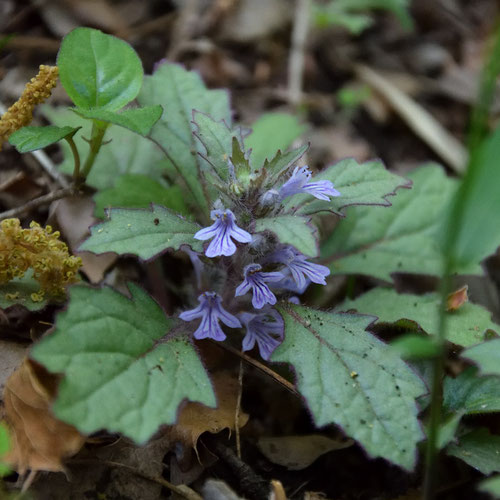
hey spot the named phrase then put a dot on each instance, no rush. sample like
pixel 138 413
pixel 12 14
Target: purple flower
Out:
pixel 300 269
pixel 256 280
pixel 210 311
pixel 222 230
pixel 266 329
pixel 299 183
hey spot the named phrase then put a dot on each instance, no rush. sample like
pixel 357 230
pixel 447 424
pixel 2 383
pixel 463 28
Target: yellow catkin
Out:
pixel 36 91
pixel 40 249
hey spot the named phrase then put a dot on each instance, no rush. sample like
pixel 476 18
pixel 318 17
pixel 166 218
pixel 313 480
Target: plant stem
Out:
pixel 97 135
pixel 76 158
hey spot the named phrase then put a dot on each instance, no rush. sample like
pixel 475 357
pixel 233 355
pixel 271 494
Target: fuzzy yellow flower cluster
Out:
pixel 36 91
pixel 41 250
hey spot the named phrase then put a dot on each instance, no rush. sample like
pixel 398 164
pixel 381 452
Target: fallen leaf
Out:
pixel 277 491
pixel 298 452
pixel 74 216
pixel 11 355
pixel 457 299
pixel 195 418
pixel 39 441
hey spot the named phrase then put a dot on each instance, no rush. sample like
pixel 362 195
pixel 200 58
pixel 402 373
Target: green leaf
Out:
pixel 270 133
pixel 465 326
pixel 126 153
pixel 479 235
pixel 486 356
pixel 179 92
pixel 32 138
pixel 138 120
pixel 471 394
pixel 281 164
pixel 359 184
pixel 479 449
pixel 4 448
pixel 403 238
pixel 350 378
pixel 144 233
pixel 18 292
pixel 415 346
pixel 139 191
pixel 448 429
pixel 98 70
pixel 491 486
pixel 215 144
pixel 117 375
pixel 291 230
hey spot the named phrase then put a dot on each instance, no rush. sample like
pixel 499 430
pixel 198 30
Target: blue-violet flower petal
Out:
pixel 210 311
pixel 222 230
pixel 299 183
pixel 256 280
pixel 266 329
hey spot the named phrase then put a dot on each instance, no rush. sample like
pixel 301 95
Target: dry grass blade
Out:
pixel 417 118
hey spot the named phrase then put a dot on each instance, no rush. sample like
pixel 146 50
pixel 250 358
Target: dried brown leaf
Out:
pixel 39 440
pixel 298 452
pixel 195 418
pixel 457 299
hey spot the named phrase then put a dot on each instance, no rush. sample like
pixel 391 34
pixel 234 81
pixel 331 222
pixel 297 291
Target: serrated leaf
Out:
pixel 98 70
pixel 214 142
pixel 270 133
pixel 18 292
pixel 359 184
pixel 448 429
pixel 479 449
pixel 179 92
pixel 138 120
pixel 139 191
pixel 32 138
pixel 491 486
pixel 403 238
pixel 126 153
pixel 291 230
pixel 466 326
pixel 144 233
pixel 471 394
pixel 486 356
pixel 115 375
pixel 281 163
pixel 350 378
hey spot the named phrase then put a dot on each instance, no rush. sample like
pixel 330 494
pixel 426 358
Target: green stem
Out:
pixel 76 158
pixel 96 138
pixel 477 132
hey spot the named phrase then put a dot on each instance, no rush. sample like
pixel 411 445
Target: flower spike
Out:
pixel 266 329
pixel 210 311
pixel 222 230
pixel 299 183
pixel 256 280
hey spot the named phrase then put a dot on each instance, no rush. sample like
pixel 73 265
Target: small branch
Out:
pixel 76 158
pixel 38 202
pixel 182 490
pixel 250 482
pixel 297 52
pixel 238 408
pixel 260 366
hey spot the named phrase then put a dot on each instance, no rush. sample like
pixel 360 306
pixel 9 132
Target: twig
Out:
pixel 263 368
pixel 37 202
pixel 45 161
pixel 296 60
pixel 182 490
pixel 238 408
pixel 418 119
pixel 250 482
